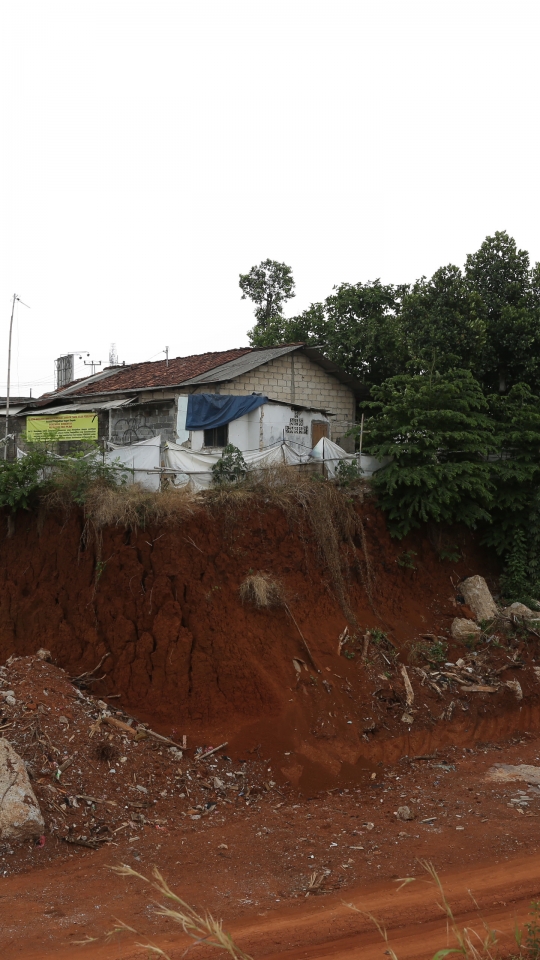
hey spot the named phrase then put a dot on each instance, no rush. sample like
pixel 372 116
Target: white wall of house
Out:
pixel 270 423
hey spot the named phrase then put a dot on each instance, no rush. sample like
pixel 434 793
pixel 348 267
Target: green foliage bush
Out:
pixel 231 467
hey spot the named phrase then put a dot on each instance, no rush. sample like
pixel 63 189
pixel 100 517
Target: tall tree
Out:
pixel 443 322
pixel 500 274
pixel 269 285
pixel 357 326
pixel 437 433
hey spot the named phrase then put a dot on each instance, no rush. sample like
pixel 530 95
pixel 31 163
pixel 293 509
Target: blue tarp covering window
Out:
pixel 206 411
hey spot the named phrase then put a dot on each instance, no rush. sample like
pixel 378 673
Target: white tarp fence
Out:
pixel 331 453
pixel 195 467
pixel 138 459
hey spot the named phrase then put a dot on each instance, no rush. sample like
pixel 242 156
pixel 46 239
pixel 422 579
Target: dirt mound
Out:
pixel 182 651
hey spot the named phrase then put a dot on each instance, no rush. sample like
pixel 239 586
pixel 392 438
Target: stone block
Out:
pixel 20 816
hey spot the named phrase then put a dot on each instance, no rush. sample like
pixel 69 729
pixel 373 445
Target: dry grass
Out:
pixel 201 929
pixel 262 590
pixel 134 507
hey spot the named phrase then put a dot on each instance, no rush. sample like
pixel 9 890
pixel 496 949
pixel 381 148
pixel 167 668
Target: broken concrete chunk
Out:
pixel 44 654
pixel 520 610
pixel 464 629
pixel 522 771
pixel 478 598
pixel 20 816
pixel 515 686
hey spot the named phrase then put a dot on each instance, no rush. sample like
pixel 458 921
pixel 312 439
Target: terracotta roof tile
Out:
pixel 154 373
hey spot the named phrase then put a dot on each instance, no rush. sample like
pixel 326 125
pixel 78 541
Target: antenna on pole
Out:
pixel 8 384
pixel 93 363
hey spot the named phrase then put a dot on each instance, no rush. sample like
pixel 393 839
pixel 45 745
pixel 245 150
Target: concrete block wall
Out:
pixel 312 387
pixel 134 423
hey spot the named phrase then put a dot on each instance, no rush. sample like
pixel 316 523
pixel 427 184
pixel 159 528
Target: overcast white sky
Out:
pixel 154 149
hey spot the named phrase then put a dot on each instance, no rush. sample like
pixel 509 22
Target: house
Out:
pixel 250 397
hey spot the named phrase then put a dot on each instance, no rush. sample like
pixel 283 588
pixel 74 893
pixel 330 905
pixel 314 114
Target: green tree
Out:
pixel 437 433
pixel 357 326
pixel 443 323
pixel 514 531
pixel 500 275
pixel 269 286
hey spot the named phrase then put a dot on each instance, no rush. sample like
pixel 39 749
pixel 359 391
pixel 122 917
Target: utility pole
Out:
pixel 14 301
pixel 166 352
pixel 93 363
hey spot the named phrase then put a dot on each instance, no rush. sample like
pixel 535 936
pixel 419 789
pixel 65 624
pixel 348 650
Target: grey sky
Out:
pixel 153 150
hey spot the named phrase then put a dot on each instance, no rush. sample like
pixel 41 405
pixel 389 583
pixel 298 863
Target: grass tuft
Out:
pixel 262 590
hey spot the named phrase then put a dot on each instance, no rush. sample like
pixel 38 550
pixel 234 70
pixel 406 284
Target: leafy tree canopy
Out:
pixel 269 286
pixel 485 319
pixel 437 432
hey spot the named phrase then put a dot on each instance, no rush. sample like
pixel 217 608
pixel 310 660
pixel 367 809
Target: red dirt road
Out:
pixel 327 928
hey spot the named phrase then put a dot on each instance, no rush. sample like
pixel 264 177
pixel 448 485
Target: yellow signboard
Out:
pixel 63 426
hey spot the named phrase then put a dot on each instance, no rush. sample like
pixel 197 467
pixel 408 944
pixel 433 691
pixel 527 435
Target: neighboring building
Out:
pixel 306 397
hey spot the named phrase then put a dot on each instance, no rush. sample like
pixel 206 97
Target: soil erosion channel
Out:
pixel 320 742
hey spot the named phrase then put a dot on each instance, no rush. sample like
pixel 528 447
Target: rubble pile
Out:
pixel 98 775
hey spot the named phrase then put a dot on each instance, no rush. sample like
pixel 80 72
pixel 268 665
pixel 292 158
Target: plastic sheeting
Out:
pixel 206 411
pixel 331 453
pixel 138 459
pixel 195 467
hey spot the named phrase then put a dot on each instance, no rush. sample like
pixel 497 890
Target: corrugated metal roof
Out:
pixel 80 407
pixel 235 368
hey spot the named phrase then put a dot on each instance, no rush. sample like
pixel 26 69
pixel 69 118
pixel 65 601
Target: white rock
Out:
pixel 520 610
pixel 20 816
pixel 462 629
pixel 478 598
pixel 44 654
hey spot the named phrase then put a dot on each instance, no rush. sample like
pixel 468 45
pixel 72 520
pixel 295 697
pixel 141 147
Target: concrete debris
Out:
pixel 404 813
pixel 523 771
pixel 478 598
pixel 464 629
pixel 515 686
pixel 20 816
pixel 520 610
pixel 44 654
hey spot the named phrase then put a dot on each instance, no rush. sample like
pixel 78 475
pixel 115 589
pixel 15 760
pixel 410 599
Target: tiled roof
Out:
pixel 155 373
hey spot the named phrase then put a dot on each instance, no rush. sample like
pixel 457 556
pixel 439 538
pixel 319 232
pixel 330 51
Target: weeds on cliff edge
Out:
pixel 468 943
pixel 203 929
pixel 262 590
pixel 321 509
pixel 135 507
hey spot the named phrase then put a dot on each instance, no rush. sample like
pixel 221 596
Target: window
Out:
pixel 218 437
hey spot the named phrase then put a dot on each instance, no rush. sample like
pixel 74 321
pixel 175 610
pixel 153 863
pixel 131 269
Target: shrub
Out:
pixel 22 480
pixel 231 467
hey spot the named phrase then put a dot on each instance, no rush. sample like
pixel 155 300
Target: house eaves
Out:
pixel 79 407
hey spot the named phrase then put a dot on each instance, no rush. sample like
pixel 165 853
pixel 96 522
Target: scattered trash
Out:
pixel 208 753
pixel 407 718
